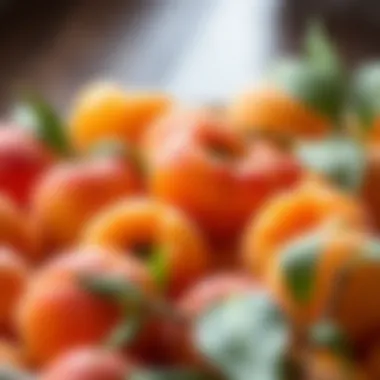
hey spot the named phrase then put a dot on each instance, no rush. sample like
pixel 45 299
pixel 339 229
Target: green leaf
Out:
pixel 126 332
pixel 341 160
pixel 245 338
pixel 365 94
pixel 299 262
pixel 114 288
pixel 34 113
pixel 320 88
pixel 131 302
pixel 319 49
pixel 158 267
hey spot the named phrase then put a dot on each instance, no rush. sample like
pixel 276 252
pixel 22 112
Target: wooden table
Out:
pixel 197 49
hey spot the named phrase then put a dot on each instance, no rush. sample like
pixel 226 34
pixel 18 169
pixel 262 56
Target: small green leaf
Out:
pixel 126 332
pixel 341 160
pixel 365 94
pixel 245 338
pixel 34 113
pixel 133 302
pixel 319 49
pixel 158 267
pixel 114 288
pixel 322 89
pixel 299 262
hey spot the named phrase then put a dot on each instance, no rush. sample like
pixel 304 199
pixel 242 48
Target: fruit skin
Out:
pixel 358 309
pixel 197 300
pixel 270 110
pixel 371 362
pixel 16 230
pixel 88 364
pixel 213 175
pixel 327 366
pixel 14 275
pixel 10 354
pixel 311 205
pixel 73 192
pixel 23 159
pixel 104 111
pixel 56 303
pixel 371 186
pixel 130 224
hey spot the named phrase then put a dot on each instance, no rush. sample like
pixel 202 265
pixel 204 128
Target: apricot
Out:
pixel 16 230
pixel 104 111
pixel 23 159
pixel 88 364
pixel 13 281
pixel 311 205
pixel 196 301
pixel 207 170
pixel 301 99
pixel 272 111
pixel 73 192
pixel 57 314
pixel 158 235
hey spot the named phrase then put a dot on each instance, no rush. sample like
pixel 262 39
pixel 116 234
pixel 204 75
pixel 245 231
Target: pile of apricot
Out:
pixel 112 246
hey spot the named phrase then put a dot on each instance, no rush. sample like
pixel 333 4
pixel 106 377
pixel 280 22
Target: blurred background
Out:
pixel 199 50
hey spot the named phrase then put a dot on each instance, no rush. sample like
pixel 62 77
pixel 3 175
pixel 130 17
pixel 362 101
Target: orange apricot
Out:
pixel 104 111
pixel 207 170
pixel 57 313
pixel 13 281
pixel 71 193
pixel 294 213
pixel 88 364
pixel 16 230
pixel 23 159
pixel 271 110
pixel 158 235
